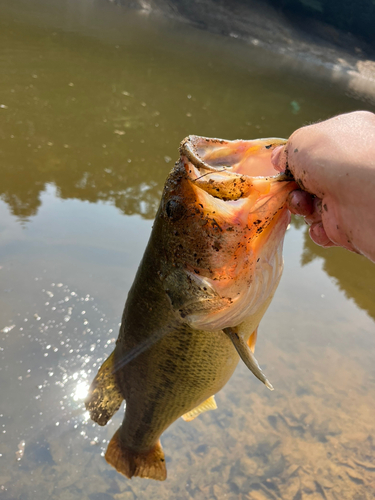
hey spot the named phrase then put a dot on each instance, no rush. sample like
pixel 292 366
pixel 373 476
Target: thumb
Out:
pixel 279 158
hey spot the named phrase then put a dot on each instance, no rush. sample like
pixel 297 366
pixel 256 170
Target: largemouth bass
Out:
pixel 208 274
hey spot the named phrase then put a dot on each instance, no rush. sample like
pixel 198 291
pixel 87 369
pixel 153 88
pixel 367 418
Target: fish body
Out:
pixel 208 274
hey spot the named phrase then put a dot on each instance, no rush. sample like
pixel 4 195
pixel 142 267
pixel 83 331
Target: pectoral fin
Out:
pixel 252 340
pixel 209 404
pixel 104 397
pixel 247 356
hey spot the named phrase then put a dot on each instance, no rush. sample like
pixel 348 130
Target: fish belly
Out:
pixel 182 370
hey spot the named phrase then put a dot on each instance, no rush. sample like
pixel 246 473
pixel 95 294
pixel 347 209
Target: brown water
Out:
pixel 94 101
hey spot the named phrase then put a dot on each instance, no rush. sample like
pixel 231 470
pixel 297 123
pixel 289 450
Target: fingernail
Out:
pixel 318 234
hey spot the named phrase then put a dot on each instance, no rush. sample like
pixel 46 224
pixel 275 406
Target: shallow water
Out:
pixel 94 101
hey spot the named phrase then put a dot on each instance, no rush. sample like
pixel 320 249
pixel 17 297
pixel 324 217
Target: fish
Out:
pixel 208 274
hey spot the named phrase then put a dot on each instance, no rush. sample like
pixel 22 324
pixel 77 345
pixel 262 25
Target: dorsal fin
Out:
pixel 104 397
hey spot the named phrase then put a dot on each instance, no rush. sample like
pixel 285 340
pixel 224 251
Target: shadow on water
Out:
pixel 354 275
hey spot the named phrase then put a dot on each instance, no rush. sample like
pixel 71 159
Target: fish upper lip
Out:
pixel 188 148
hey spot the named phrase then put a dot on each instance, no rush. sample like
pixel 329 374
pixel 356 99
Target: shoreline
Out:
pixel 318 48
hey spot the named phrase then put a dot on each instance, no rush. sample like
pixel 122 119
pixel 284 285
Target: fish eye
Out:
pixel 174 209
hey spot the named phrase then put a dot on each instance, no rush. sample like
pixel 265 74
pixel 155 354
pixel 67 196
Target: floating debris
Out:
pixel 21 450
pixel 7 329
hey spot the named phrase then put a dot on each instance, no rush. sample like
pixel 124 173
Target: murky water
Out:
pixel 94 101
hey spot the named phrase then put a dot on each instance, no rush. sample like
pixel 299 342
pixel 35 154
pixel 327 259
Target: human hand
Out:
pixel 334 164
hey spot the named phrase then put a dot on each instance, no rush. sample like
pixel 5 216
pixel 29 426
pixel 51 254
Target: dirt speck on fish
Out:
pixel 208 274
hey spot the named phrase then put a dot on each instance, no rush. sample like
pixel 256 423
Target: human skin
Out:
pixel 334 164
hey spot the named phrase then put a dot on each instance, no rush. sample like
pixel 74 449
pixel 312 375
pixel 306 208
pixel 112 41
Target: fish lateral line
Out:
pixel 139 349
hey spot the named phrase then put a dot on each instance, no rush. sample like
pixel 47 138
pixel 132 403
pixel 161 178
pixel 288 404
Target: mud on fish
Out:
pixel 208 274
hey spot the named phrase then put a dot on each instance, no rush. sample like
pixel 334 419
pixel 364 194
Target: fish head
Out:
pixel 224 219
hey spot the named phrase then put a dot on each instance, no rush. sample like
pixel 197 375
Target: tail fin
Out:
pixel 104 397
pixel 149 464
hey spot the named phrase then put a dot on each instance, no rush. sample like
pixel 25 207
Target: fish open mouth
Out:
pixel 233 170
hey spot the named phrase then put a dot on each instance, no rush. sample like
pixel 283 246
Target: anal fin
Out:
pixel 104 397
pixel 252 340
pixel 209 404
pixel 149 464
